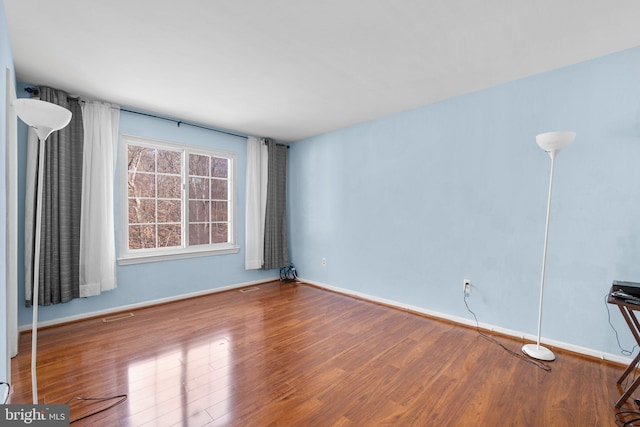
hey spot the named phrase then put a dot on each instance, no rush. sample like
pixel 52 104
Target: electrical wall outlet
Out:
pixel 324 262
pixel 466 286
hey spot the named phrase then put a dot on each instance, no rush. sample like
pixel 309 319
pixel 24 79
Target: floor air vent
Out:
pixel 244 291
pixel 117 317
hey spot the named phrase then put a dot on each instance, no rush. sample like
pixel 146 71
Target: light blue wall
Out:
pixel 7 63
pixel 152 281
pixel 406 207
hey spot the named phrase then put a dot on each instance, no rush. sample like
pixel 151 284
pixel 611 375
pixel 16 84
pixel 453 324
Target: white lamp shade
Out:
pixel 552 142
pixel 43 116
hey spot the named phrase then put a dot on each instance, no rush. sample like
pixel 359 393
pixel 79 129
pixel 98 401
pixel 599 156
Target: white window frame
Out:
pixel 138 256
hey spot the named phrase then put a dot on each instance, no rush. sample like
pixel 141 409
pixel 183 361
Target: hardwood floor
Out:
pixel 296 355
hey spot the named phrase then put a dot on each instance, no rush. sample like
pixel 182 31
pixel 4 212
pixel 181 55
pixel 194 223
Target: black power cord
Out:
pixel 540 365
pixel 623 351
pixel 620 415
pixel 121 398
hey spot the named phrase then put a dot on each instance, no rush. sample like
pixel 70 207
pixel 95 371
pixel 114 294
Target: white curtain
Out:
pixel 97 234
pixel 256 202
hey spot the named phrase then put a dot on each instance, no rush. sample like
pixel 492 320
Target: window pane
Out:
pixel 142 211
pixel 169 161
pixel 169 235
pixel 142 236
pixel 198 165
pixel 141 159
pixel 169 211
pixel 219 167
pixel 142 185
pixel 219 211
pixel 198 234
pixel 219 189
pixel 169 186
pixel 156 193
pixel 219 233
pixel 198 188
pixel 198 211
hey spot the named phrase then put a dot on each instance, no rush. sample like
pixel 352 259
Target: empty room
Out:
pixel 319 213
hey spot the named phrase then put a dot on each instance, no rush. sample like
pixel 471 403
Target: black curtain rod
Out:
pixel 34 91
pixel 180 122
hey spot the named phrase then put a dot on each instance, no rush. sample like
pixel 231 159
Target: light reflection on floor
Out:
pixel 189 386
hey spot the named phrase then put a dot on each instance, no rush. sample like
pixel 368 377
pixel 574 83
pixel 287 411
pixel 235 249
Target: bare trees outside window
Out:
pixel 177 197
pixel 155 197
pixel 208 199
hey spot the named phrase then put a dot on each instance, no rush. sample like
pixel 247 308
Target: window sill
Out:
pixel 130 259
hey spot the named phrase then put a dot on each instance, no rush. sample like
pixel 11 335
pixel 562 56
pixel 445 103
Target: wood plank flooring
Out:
pixel 296 355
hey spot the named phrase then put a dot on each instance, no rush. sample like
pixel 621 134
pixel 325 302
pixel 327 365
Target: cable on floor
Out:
pixel 540 365
pixel 620 415
pixel 623 351
pixel 121 397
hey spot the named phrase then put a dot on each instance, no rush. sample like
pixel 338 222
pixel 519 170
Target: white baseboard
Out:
pixel 469 322
pixel 143 304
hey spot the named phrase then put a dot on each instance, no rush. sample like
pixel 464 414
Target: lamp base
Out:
pixel 538 352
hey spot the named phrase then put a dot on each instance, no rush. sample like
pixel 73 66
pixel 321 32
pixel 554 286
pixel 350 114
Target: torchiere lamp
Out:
pixel 551 142
pixel 44 118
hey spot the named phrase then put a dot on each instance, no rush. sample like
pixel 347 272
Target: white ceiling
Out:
pixel 290 69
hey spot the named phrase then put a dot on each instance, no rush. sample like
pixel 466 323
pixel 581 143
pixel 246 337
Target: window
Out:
pixel 177 201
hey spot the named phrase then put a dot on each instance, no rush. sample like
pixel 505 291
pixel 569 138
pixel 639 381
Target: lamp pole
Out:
pixel 36 271
pixel 551 142
pixel 544 252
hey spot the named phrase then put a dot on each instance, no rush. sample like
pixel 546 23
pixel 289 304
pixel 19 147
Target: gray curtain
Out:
pixel 276 251
pixel 60 235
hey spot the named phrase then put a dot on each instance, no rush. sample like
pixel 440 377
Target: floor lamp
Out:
pixel 44 118
pixel 551 142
